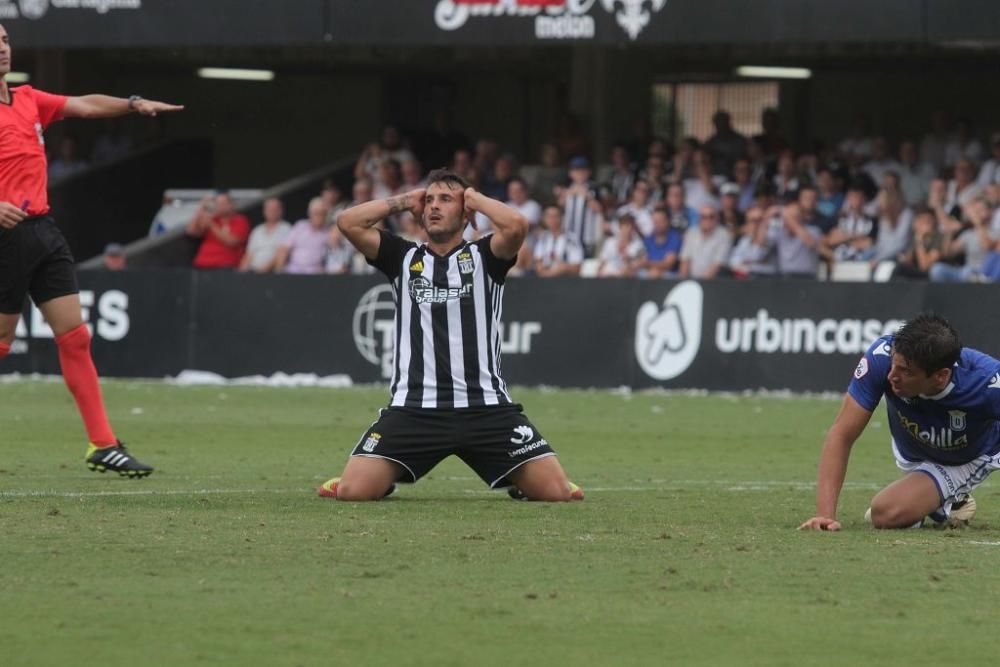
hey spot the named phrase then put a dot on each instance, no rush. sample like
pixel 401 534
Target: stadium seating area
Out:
pixel 732 207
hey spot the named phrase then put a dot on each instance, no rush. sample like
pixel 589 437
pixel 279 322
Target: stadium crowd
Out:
pixel 732 206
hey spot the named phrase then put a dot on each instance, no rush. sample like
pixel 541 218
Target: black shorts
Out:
pixel 493 441
pixel 34 259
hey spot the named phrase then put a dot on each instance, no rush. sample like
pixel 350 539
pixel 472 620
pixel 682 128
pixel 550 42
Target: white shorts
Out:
pixel 953 482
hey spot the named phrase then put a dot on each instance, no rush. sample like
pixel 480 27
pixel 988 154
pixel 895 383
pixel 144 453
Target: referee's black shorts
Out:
pixel 493 441
pixel 35 260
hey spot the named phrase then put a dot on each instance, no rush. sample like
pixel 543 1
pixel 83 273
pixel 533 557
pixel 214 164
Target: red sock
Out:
pixel 4 350
pixel 81 378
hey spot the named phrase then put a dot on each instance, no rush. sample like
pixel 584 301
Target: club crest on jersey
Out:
pixel 957 420
pixel 465 263
pixel 424 291
pixel 862 369
pixel 372 442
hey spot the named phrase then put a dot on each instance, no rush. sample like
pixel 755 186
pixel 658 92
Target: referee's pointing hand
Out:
pixel 10 215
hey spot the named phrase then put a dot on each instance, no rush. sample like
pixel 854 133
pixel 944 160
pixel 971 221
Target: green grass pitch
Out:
pixel 684 553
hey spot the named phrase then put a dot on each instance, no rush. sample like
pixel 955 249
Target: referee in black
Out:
pixel 448 396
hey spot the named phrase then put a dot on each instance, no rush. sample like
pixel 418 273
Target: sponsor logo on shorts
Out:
pixel 372 442
pixel 522 434
pixel 862 369
pixel 945 476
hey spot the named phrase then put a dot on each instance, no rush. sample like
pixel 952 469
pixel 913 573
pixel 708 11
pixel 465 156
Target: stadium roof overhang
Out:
pixel 492 23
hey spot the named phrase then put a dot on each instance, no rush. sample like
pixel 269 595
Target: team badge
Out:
pixel 372 442
pixel 957 420
pixel 862 369
pixel 465 263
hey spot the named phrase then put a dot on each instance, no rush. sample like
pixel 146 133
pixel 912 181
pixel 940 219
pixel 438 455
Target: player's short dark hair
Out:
pixel 447 177
pixel 929 341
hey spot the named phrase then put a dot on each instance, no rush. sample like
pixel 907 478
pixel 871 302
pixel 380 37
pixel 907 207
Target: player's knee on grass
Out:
pixel 550 492
pixel 889 514
pixel 360 490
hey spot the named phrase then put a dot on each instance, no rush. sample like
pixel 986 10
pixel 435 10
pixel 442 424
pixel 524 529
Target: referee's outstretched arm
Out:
pixel 103 106
pixel 357 223
pixel 511 227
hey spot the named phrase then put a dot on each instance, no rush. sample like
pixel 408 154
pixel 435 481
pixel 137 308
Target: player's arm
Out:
pixel 847 428
pixel 104 106
pixel 358 222
pixel 510 227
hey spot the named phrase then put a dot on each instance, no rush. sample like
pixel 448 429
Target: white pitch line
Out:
pixel 656 485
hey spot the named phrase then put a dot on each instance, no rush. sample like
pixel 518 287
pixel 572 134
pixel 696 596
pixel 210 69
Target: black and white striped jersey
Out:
pixel 448 310
pixel 581 221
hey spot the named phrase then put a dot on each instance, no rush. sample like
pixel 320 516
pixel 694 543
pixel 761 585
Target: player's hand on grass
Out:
pixel 820 523
pixel 152 107
pixel 10 215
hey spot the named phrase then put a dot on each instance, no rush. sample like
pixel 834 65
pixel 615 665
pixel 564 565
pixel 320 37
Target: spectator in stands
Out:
pixel 730 215
pixel 362 191
pixel 809 206
pixel 339 252
pixel 830 199
pixel 962 189
pixel 663 246
pixel 391 147
pixel 495 187
pixel 67 161
pixel 856 148
pixel 334 198
pixel 770 141
pixel 621 255
pixel 744 260
pixel 706 247
pixel 518 199
pixel 792 245
pixel 703 189
pixel 963 145
pixel 621 176
pixel 937 193
pixel 895 220
pixel 304 251
pixel 114 257
pixel 413 176
pixel 583 213
pixel 639 208
pixel 549 175
pixel 557 253
pixel 682 165
pixel 681 216
pixel 727 145
pixel 973 241
pixel 989 173
pixel 742 176
pixel 786 180
pixel 223 231
pixel 881 160
pixel 924 249
pixel 655 175
pixel 390 180
pixel 462 165
pixel 265 240
pixel 853 237
pixel 935 143
pixel 914 176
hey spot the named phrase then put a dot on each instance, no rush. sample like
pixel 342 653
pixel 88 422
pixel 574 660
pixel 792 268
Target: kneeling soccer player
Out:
pixel 943 403
pixel 447 393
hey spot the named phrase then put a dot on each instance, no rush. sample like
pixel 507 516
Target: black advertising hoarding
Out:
pixel 720 335
pixel 249 23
